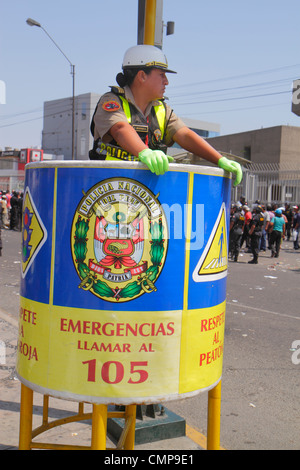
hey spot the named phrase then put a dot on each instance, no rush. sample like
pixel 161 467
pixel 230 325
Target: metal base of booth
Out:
pixel 153 423
pixel 99 417
pixel 127 435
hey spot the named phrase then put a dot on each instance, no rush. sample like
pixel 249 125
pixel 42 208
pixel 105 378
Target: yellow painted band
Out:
pixel 53 239
pixel 188 240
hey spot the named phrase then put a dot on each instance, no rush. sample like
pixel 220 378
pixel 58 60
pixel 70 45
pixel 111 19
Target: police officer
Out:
pixel 236 231
pixel 14 211
pixel 288 212
pixel 255 232
pixel 133 122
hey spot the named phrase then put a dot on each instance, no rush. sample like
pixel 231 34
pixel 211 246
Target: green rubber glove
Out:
pixel 156 160
pixel 232 167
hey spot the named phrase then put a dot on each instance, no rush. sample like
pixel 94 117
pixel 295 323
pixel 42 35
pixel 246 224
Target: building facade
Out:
pixel 279 144
pixel 57 126
pixel 12 166
pixel 272 173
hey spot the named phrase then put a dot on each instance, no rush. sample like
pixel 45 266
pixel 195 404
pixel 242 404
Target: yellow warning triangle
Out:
pixel 213 263
pixel 34 233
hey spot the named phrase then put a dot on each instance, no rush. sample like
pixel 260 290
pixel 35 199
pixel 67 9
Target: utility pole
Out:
pixel 150 23
pixel 32 22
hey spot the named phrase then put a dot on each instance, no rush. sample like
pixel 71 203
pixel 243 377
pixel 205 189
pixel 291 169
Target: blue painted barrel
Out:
pixel 123 281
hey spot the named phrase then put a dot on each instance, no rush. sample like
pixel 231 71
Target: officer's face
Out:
pixel 156 83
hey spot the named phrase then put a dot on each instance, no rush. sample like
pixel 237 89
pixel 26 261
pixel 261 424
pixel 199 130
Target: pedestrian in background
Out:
pixel 236 231
pixel 245 236
pixel 263 240
pixel 19 212
pixel 277 227
pixel 14 212
pixel 255 232
pixel 8 198
pixel 288 212
pixel 271 213
pixel 5 220
pixel 296 227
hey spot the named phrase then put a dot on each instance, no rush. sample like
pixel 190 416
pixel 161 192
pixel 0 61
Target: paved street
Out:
pixel 261 384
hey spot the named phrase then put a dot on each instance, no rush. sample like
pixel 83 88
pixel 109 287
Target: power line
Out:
pixel 21 122
pixel 234 98
pixel 249 74
pixel 270 84
pixel 37 118
pixel 9 116
pixel 234 109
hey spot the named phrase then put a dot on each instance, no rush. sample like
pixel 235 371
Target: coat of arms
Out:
pixel 119 240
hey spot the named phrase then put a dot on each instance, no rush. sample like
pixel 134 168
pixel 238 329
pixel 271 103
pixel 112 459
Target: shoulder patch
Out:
pixel 111 105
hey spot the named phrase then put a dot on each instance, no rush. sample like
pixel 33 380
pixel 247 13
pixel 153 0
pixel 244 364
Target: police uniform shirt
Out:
pixel 238 221
pixel 109 112
pixel 257 221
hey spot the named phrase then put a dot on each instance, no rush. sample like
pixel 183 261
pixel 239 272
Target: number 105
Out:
pixel 112 372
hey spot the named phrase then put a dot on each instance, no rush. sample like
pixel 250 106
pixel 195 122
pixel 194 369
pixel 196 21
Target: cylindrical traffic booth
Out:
pixel 123 281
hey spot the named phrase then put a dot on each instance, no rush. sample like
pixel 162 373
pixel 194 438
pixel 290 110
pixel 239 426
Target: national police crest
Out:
pixel 119 240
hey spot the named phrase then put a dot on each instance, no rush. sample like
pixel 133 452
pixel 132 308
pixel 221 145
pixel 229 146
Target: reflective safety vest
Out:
pixel 151 130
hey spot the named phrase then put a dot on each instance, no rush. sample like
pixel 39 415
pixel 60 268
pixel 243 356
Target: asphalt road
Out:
pixel 260 384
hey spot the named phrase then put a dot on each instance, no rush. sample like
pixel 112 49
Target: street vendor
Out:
pixel 132 122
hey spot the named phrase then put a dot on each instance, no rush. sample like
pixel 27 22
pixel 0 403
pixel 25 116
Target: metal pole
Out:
pixel 73 111
pixel 99 427
pixel 32 22
pixel 150 18
pixel 130 414
pixel 214 418
pixel 25 418
pixel 73 91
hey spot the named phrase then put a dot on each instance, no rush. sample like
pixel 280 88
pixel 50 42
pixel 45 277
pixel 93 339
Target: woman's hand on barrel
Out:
pixel 156 160
pixel 232 167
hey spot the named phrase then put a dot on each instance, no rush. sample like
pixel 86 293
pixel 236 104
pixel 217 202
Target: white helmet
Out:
pixel 145 56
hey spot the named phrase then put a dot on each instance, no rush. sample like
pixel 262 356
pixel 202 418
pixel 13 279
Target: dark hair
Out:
pixel 128 75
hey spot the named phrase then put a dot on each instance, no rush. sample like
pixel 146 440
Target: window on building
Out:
pixel 82 143
pixel 247 152
pixel 83 111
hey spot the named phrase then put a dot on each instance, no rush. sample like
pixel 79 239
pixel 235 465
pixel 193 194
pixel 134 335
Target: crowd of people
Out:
pixel 262 228
pixel 10 212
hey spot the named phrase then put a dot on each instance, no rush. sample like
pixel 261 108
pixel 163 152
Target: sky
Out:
pixel 235 60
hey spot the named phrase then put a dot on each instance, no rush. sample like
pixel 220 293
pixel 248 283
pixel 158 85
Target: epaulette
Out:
pixel 117 90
